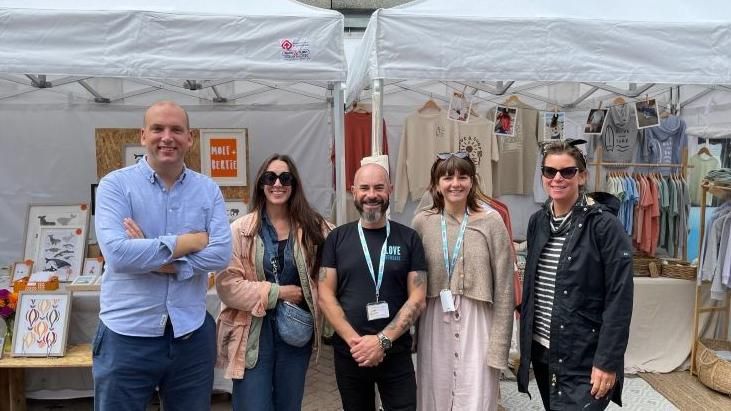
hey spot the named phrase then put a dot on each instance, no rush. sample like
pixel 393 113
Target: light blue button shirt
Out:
pixel 135 299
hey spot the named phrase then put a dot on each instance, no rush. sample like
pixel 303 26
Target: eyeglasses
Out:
pixel 458 154
pixel 568 173
pixel 270 177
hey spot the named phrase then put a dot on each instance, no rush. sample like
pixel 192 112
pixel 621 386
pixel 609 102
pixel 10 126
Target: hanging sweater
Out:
pixel 620 137
pixel 663 144
pixel 513 174
pixel 478 139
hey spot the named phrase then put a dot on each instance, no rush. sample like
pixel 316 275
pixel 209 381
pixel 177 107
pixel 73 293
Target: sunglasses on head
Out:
pixel 270 177
pixel 568 173
pixel 458 154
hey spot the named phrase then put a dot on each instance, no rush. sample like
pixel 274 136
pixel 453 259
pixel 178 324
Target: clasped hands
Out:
pixel 366 350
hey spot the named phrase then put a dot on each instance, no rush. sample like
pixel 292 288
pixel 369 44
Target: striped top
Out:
pixel 546 280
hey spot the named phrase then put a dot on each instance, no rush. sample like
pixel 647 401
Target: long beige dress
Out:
pixel 452 370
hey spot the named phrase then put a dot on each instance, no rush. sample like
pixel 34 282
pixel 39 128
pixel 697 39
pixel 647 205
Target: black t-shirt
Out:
pixel 355 288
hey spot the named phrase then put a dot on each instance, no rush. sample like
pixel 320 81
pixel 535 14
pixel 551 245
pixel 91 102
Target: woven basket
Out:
pixel 679 269
pixel 641 265
pixel 714 372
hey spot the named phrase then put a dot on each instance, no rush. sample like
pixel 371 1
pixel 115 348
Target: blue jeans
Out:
pixel 277 381
pixel 127 369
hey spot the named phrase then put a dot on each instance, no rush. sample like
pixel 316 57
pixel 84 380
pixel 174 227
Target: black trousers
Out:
pixel 539 359
pixel 394 376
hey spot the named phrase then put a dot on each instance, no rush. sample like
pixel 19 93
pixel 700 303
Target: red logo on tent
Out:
pixel 286 44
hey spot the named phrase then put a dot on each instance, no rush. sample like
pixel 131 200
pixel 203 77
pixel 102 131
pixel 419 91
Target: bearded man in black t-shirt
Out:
pixel 372 291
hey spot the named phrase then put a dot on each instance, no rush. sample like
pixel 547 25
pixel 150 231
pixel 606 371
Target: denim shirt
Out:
pixel 288 273
pixel 135 299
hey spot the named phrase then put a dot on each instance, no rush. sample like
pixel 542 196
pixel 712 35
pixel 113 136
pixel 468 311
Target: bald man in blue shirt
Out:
pixel 161 228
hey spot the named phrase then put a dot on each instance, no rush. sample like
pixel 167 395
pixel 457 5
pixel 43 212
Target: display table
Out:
pixel 661 330
pixel 12 373
pixel 78 382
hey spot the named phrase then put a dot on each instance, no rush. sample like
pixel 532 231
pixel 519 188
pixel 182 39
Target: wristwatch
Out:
pixel 385 341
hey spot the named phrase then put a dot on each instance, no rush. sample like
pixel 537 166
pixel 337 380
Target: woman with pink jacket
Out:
pixel 276 259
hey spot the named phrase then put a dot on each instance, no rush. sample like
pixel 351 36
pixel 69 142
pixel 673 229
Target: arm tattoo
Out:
pixel 323 275
pixel 404 318
pixel 419 279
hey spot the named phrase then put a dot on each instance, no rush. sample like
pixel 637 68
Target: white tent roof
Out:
pixel 189 39
pixel 668 41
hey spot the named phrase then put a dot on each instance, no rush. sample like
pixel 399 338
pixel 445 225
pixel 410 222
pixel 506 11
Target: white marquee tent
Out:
pixel 68 67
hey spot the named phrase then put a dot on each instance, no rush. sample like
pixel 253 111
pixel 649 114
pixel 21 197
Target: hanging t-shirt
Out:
pixel 478 139
pixel 513 174
pixel 424 135
pixel 701 165
pixel 663 144
pixel 358 128
pixel 620 137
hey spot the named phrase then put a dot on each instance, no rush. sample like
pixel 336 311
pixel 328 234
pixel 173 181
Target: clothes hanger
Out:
pixel 618 101
pixel 430 105
pixel 359 108
pixel 513 100
pixel 704 150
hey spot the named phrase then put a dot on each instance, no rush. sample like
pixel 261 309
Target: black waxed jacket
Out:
pixel 592 305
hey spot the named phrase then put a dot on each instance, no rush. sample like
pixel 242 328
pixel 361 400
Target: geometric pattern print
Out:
pixel 40 323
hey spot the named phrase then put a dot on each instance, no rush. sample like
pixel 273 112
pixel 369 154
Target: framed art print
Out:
pixel 132 153
pixel 553 125
pixel 505 118
pixel 224 155
pixel 55 238
pixel 93 266
pixel 21 269
pixel 646 113
pixel 595 121
pixel 41 324
pixel 235 209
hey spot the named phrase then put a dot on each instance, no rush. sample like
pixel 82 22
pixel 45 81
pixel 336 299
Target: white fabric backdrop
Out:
pixel 47 154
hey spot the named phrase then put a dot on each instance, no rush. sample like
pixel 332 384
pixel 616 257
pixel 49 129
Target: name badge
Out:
pixel 377 311
pixel 447 301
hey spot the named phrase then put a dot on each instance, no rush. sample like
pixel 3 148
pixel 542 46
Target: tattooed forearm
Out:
pixel 404 318
pixel 419 279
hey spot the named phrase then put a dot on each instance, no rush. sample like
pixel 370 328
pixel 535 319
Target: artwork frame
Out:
pixel 55 238
pixel 646 113
pixel 225 155
pixel 42 324
pixel 20 269
pixel 92 266
pixel 132 154
pixel 505 119
pixel 235 210
pixel 460 108
pixel 595 121
pixel 553 125
pixel 93 198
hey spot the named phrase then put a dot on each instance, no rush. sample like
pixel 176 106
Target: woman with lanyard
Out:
pixel 464 334
pixel 577 289
pixel 276 259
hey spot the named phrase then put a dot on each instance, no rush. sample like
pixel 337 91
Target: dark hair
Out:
pixel 449 167
pixel 565 147
pixel 301 214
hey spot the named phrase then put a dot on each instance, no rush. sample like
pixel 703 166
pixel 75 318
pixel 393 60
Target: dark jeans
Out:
pixel 277 381
pixel 394 376
pixel 127 369
pixel 539 359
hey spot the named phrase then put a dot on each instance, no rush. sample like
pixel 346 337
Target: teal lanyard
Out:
pixel 457 246
pixel 381 261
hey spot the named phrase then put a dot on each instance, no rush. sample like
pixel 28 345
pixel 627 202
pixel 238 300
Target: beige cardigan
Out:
pixel 484 270
pixel 246 295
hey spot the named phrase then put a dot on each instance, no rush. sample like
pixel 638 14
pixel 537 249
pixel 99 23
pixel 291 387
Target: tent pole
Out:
pixel 377 117
pixel 339 131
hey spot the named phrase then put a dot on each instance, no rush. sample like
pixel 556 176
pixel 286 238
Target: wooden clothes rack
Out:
pixel 683 165
pixel 725 309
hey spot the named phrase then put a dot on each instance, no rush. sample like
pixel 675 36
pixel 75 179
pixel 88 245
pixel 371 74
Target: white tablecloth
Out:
pixel 77 382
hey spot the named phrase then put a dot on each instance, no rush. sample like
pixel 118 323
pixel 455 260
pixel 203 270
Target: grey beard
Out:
pixel 371 216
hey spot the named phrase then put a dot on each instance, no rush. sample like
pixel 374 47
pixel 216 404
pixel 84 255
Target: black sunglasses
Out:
pixel 458 154
pixel 270 177
pixel 568 173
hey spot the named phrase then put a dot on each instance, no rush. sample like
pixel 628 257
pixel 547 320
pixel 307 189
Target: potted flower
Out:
pixel 8 302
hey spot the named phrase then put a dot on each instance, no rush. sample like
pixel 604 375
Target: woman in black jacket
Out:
pixel 577 290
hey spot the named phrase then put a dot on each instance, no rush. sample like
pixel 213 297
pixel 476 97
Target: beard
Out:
pixel 371 216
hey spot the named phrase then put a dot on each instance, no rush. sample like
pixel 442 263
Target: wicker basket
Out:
pixel 713 371
pixel 679 269
pixel 641 265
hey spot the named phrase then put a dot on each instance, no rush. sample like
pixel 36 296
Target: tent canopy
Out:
pixel 252 39
pixel 669 41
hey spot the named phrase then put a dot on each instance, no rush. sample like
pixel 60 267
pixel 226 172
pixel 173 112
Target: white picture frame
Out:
pixel 595 121
pixel 55 238
pixel 505 126
pixel 225 155
pixel 20 270
pixel 132 154
pixel 92 266
pixel 553 125
pixel 646 113
pixel 235 210
pixel 41 324
pixel 460 108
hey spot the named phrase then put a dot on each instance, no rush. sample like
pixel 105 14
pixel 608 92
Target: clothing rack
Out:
pixel 698 309
pixel 598 164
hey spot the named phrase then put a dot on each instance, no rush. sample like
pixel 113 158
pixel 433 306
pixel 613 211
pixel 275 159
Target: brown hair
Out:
pixel 449 167
pixel 565 147
pixel 301 214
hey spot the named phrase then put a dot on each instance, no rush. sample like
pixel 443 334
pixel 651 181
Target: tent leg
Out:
pixel 339 129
